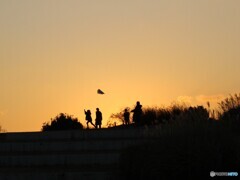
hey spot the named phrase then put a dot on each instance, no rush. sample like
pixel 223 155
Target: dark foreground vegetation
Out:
pixel 189 144
pixel 62 122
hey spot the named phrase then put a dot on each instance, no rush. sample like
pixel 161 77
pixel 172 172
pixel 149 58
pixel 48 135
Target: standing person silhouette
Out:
pixel 88 117
pixel 137 113
pixel 98 121
pixel 126 116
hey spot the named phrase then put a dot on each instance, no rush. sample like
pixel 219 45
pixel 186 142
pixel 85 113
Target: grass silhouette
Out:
pixel 189 143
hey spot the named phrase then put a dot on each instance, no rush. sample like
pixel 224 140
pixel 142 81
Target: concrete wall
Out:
pixel 65 155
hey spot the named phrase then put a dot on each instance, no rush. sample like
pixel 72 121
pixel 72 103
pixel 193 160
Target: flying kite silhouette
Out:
pixel 99 91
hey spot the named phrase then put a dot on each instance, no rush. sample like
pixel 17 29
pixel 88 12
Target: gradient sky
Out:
pixel 55 54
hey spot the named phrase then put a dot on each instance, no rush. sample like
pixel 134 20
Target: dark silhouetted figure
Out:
pixel 88 117
pixel 137 113
pixel 98 121
pixel 126 116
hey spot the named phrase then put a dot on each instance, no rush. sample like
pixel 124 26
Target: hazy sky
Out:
pixel 55 54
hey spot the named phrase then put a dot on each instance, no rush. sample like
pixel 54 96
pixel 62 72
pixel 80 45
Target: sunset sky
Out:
pixel 55 54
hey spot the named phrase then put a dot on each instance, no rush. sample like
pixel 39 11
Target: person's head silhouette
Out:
pixel 138 103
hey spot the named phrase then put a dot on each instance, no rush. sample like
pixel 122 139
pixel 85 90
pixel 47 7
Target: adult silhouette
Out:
pixel 98 120
pixel 88 117
pixel 137 113
pixel 126 116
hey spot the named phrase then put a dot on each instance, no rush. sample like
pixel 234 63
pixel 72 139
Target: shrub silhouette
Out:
pixel 62 122
pixel 177 113
pixel 193 115
pixel 116 119
pixel 149 116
